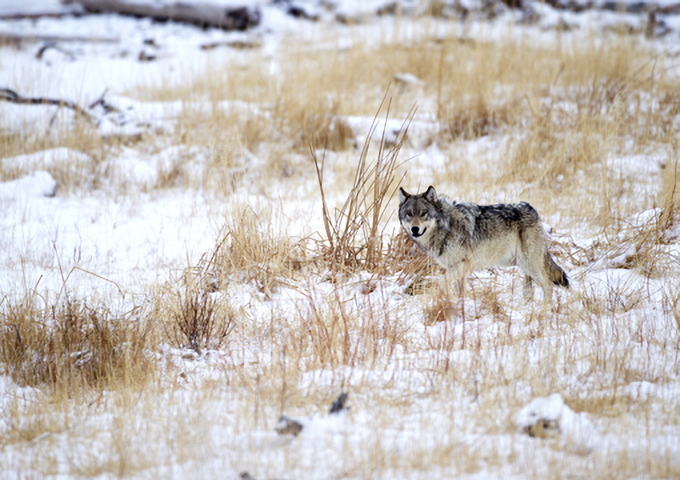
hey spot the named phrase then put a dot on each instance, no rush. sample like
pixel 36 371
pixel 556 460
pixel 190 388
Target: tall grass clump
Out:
pixel 354 233
pixel 250 250
pixel 670 193
pixel 74 346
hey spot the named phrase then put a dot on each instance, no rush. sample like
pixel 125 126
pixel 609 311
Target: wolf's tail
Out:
pixel 555 272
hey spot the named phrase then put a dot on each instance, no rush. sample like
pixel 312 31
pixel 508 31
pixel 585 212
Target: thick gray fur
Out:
pixel 464 237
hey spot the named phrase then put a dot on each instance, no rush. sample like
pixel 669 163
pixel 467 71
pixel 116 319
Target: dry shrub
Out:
pixel 174 174
pixel 662 122
pixel 329 328
pixel 616 301
pixel 672 305
pixel 479 88
pixel 647 252
pixel 198 324
pixel 235 128
pixel 608 404
pixel 247 79
pixel 487 302
pixel 614 61
pixel 647 258
pixel 73 345
pixel 444 303
pixel 74 172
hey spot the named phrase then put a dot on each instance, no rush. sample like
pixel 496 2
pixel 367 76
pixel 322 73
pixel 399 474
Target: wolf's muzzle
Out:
pixel 417 232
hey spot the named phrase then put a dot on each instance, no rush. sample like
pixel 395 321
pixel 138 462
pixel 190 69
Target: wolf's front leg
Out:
pixel 450 281
pixel 456 279
pixel 457 275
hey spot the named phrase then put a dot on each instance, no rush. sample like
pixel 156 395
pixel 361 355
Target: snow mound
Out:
pixel 37 184
pixel 549 417
pixel 10 391
pixel 44 159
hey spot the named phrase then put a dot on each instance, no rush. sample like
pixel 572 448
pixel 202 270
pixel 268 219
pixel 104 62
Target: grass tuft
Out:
pixel 198 324
pixel 74 346
pixel 354 235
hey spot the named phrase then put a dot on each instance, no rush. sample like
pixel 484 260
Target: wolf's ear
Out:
pixel 431 194
pixel 402 195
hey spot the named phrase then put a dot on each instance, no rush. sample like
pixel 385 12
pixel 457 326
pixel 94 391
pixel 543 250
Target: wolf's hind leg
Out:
pixel 536 275
pixel 528 288
pixel 547 293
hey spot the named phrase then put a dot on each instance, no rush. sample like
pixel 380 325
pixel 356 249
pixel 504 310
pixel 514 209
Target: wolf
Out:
pixel 465 237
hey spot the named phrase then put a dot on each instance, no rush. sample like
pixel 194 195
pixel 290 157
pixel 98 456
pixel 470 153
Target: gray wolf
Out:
pixel 464 237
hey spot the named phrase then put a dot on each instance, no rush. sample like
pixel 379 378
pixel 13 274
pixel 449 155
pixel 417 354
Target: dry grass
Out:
pixel 354 235
pixel 198 325
pixel 72 346
pixel 73 174
pixel 250 251
pixel 670 193
pixel 281 320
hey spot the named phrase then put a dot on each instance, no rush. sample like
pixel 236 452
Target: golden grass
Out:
pixel 72 346
pixel 277 308
pixel 354 235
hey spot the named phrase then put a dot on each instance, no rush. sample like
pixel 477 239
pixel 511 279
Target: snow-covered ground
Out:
pixel 505 390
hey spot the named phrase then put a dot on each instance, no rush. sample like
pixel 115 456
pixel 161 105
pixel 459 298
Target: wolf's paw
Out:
pixel 419 286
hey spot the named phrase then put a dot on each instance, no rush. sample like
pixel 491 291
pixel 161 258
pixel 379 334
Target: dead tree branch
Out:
pixel 202 14
pixel 10 95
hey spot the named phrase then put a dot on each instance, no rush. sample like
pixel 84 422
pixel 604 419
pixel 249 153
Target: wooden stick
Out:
pixel 10 95
pixel 203 14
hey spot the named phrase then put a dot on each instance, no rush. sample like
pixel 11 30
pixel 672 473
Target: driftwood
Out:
pixel 202 14
pixel 10 95
pixel 237 44
pixel 18 38
pixel 641 6
pixel 36 16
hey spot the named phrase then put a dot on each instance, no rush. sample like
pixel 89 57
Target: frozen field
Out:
pixel 203 237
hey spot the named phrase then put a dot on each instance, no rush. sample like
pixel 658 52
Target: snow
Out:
pixel 37 184
pixel 44 159
pixel 116 241
pixel 13 7
pixel 552 414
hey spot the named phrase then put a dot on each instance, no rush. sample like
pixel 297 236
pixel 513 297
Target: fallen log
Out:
pixel 37 16
pixel 201 14
pixel 10 95
pixel 20 38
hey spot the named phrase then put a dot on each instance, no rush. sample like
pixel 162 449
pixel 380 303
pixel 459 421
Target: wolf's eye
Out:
pixel 409 214
pixel 423 214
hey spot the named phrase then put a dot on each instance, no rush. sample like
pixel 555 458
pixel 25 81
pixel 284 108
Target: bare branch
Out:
pixel 204 14
pixel 10 95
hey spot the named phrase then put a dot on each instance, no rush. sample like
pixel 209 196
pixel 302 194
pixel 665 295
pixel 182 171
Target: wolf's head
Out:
pixel 418 213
